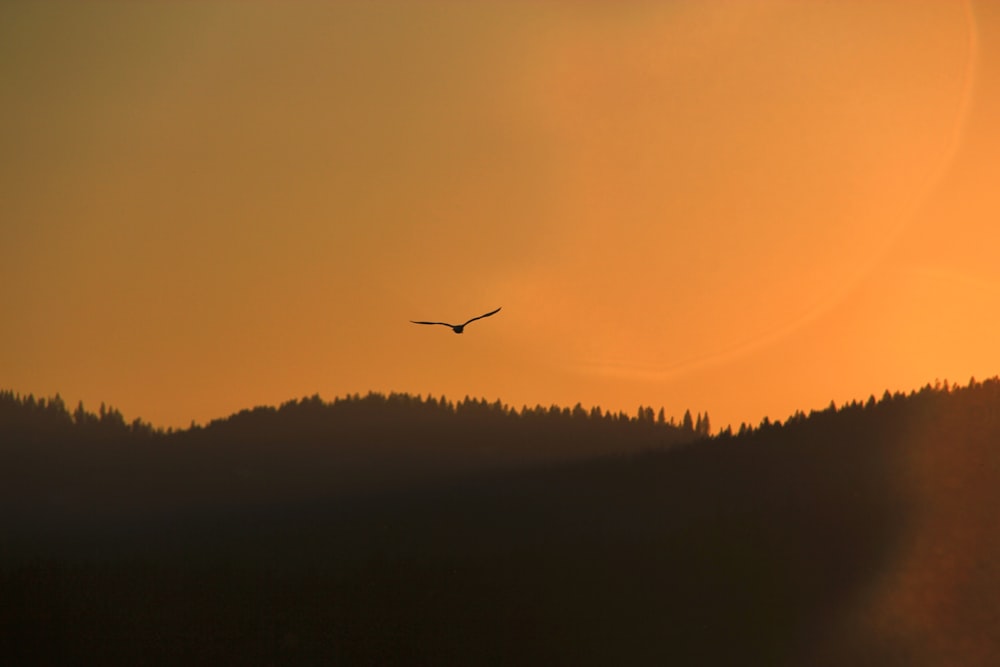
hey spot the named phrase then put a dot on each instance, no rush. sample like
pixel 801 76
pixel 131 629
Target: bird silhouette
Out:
pixel 459 328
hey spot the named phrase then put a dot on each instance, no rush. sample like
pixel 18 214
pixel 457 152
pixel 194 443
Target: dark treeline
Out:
pixel 27 418
pixel 400 530
pixel 304 448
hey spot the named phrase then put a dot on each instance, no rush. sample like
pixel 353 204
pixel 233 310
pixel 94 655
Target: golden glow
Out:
pixel 744 208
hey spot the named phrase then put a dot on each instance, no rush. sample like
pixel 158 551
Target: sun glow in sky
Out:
pixel 739 208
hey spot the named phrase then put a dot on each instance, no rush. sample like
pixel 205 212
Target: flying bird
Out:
pixel 459 328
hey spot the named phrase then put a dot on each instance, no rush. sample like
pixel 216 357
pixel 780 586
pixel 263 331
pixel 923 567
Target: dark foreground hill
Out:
pixel 390 531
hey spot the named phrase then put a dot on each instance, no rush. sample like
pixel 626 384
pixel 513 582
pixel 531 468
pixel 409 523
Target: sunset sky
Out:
pixel 745 208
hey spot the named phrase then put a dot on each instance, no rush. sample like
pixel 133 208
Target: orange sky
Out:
pixel 744 208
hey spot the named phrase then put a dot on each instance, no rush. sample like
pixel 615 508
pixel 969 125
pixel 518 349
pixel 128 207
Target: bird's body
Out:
pixel 459 328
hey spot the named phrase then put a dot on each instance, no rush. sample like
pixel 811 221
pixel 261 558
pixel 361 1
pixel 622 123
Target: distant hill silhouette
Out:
pixel 406 530
pixel 305 448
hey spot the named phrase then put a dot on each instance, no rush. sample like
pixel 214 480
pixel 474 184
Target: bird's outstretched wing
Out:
pixel 441 323
pixel 492 312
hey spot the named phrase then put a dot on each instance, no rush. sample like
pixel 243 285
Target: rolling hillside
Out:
pixel 399 530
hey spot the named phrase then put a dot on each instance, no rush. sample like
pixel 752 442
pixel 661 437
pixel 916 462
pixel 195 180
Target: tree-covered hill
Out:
pixel 305 448
pixel 398 530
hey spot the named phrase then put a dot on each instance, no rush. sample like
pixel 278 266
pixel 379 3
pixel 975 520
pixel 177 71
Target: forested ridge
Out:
pixel 306 447
pixel 392 529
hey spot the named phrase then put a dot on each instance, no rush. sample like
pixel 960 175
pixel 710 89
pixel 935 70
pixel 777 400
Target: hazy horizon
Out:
pixel 675 417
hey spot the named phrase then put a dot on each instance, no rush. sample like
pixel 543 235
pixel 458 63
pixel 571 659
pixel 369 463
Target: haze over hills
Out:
pixel 407 530
pixel 311 448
